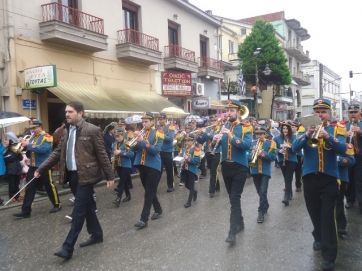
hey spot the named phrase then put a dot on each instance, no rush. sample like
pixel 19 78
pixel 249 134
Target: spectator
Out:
pixel 109 140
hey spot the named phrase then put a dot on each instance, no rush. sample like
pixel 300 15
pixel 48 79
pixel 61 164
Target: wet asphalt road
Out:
pixel 182 239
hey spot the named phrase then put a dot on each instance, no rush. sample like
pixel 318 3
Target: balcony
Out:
pixel 284 96
pixel 178 58
pixel 296 50
pixel 300 78
pixel 210 68
pixel 233 57
pixel 138 47
pixel 70 27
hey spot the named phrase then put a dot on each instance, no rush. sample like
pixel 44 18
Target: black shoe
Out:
pixel 212 195
pixel 127 198
pixel 56 209
pixel 92 240
pixel 117 202
pixel 64 254
pixel 286 201
pixel 195 196
pixel 328 266
pixel 140 224
pixel 260 217
pixel 156 216
pixel 349 205
pixel 181 184
pixel 342 232
pixel 187 204
pixel 170 189
pixel 22 215
pixel 317 246
pixel 231 239
pixel 116 189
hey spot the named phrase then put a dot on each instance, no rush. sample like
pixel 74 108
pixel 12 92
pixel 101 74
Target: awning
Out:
pixel 105 102
pixel 217 104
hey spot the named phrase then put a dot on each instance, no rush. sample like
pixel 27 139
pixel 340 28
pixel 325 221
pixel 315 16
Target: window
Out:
pixel 172 33
pixel 130 18
pixel 203 46
pixel 231 47
pixel 243 31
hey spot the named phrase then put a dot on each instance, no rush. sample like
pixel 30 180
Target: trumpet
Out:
pixel 255 154
pixel 133 142
pixel 218 141
pixel 18 148
pixel 313 141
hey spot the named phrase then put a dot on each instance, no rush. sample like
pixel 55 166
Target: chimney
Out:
pixel 209 12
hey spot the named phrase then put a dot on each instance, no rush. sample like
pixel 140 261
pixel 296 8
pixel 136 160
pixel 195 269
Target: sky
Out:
pixel 334 26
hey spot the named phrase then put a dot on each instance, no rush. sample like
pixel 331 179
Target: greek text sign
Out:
pixel 201 103
pixel 29 105
pixel 41 77
pixel 176 84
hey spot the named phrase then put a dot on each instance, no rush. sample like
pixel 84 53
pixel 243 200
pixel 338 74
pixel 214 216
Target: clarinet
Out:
pixel 218 141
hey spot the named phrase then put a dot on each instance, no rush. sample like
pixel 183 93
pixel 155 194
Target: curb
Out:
pixel 61 192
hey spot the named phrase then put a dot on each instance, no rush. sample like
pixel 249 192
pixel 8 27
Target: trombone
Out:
pixel 255 154
pixel 133 142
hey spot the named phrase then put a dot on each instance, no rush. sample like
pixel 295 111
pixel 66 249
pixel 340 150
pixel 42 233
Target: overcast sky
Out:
pixel 334 26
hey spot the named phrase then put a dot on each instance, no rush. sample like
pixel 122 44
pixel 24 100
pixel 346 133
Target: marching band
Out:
pixel 325 157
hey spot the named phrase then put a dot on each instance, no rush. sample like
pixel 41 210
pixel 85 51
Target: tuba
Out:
pixel 244 112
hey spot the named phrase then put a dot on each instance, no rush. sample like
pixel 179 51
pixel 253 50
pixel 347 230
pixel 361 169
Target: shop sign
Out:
pixel 40 77
pixel 176 84
pixel 29 104
pixel 201 103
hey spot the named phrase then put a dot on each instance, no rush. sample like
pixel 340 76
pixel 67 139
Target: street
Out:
pixel 182 239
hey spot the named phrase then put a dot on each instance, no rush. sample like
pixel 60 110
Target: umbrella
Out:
pixel 193 117
pixel 11 118
pixel 133 119
pixel 174 112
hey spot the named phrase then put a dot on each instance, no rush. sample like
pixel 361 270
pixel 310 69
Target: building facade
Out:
pixel 112 56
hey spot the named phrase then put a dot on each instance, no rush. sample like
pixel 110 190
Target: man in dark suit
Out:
pixel 82 154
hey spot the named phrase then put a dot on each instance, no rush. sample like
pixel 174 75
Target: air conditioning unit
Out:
pixel 198 89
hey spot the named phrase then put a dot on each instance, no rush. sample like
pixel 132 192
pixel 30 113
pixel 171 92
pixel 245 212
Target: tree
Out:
pixel 263 36
pixel 228 88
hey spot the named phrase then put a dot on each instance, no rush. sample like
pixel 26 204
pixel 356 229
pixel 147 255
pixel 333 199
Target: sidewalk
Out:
pixel 40 195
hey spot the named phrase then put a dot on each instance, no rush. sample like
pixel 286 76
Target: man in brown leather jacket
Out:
pixel 82 154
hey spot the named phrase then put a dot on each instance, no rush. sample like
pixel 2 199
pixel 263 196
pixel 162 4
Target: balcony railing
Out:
pixel 284 93
pixel 65 14
pixel 133 36
pixel 205 61
pixel 176 51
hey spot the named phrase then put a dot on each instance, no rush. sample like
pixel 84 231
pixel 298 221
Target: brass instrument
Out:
pixel 182 163
pixel 18 148
pixel 284 150
pixel 200 130
pixel 218 141
pixel 255 153
pixel 133 142
pixel 244 112
pixel 313 141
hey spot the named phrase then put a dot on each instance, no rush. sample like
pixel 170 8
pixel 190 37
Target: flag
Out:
pixel 241 82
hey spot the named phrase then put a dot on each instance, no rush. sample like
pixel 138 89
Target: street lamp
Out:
pixel 267 71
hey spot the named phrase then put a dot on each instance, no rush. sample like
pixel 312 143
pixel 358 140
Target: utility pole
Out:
pixel 257 89
pixel 320 80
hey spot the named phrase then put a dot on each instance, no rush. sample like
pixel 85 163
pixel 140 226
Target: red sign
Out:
pixel 176 84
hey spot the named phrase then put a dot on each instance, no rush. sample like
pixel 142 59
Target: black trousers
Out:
pixel 340 215
pixel 30 190
pixel 189 179
pixel 261 183
pixel 298 172
pixel 14 181
pixel 213 162
pixel 234 175
pixel 150 178
pixel 124 173
pixel 84 210
pixel 175 170
pixel 355 182
pixel 202 166
pixel 167 161
pixel 320 194
pixel 288 171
